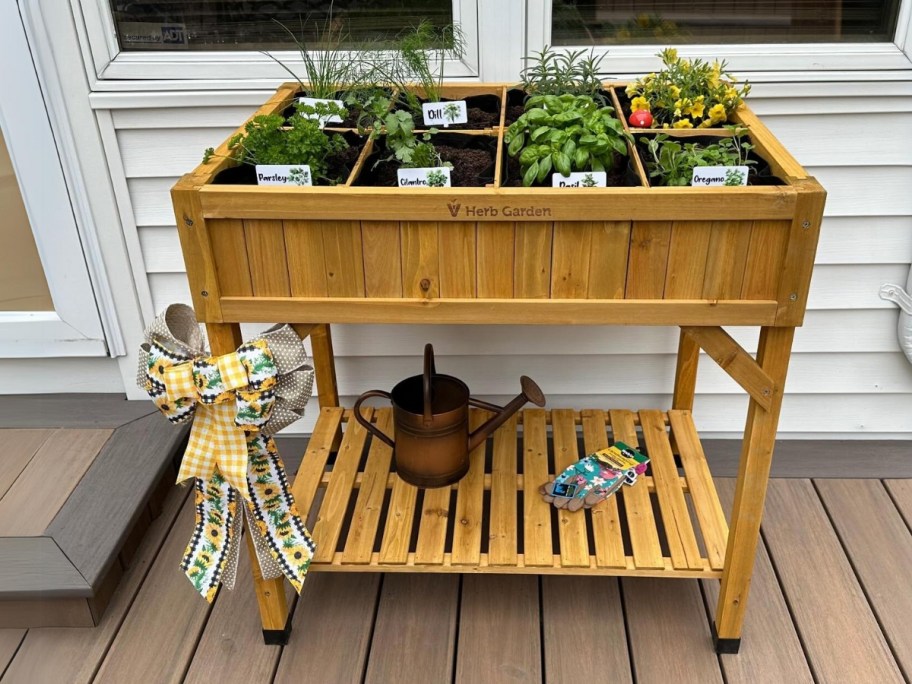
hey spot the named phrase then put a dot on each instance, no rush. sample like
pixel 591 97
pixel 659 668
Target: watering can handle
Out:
pixel 430 370
pixel 373 429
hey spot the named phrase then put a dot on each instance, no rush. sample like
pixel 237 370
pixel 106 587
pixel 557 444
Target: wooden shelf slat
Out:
pixel 520 538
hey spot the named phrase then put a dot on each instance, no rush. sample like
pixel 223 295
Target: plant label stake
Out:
pixel 719 175
pixel 580 179
pixel 445 113
pixel 283 174
pixel 312 101
pixel 436 177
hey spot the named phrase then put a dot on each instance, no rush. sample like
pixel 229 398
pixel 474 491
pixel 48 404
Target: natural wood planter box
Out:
pixel 699 258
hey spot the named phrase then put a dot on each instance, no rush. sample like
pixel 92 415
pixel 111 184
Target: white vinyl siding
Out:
pixel 847 377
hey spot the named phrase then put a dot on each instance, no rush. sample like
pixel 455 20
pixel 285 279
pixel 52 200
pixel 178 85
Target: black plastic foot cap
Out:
pixel 725 646
pixel 277 637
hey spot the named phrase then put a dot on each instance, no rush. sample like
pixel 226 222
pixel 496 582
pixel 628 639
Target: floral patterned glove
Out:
pixel 594 478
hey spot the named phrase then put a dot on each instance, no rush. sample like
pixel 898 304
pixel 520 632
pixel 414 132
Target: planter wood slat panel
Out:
pixel 698 258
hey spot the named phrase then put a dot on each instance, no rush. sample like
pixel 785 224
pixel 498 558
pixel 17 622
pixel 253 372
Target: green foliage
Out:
pixel 404 145
pixel 267 141
pixel 552 73
pixel 673 161
pixel 450 111
pixel 436 179
pixel 328 63
pixel 422 54
pixel 565 133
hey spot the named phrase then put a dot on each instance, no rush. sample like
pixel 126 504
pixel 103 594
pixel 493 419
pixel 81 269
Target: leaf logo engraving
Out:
pixel 454 208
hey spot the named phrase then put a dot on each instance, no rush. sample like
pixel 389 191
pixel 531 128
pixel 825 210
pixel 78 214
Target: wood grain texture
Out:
pixel 687 259
pixel 267 258
pixel 342 254
pixel 74 655
pixel 570 254
pixel 9 644
pixel 878 541
pixel 420 259
pixel 686 366
pixel 532 260
pixel 538 547
pixel 771 652
pixel 648 259
pixel 331 630
pixel 167 617
pixel 499 638
pixel 70 410
pixel 397 532
pixel 37 612
pixel 725 260
pixel 574 545
pixel 502 548
pixel 416 615
pixel 670 640
pixel 306 261
pixel 231 647
pixel 582 616
pixel 432 526
pixel 457 271
pixel 608 253
pixel 494 260
pixel 315 458
pixel 470 503
pixel 194 238
pixel 848 645
pixel 112 492
pixel 764 259
pixel 229 250
pixel 606 522
pixel 382 259
pixel 33 500
pixel 798 264
pixel 20 447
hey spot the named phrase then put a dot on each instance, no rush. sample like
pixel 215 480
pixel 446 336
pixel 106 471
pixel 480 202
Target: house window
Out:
pixel 664 22
pixel 261 24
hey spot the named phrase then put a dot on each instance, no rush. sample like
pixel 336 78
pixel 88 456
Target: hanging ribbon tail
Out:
pixel 210 547
pixel 274 513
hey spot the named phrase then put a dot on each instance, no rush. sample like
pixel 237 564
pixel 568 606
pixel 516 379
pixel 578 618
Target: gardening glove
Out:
pixel 594 478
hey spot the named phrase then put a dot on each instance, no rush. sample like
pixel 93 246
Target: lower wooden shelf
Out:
pixel 365 519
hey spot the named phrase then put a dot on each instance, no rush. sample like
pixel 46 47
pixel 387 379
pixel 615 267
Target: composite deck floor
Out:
pixel 831 602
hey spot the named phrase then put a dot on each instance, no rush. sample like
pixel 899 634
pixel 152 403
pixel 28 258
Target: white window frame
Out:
pixel 74 327
pixel 111 69
pixel 769 61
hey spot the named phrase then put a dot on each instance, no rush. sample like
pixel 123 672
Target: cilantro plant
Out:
pixel 552 73
pixel 565 133
pixel 405 146
pixel 266 141
pixel 673 161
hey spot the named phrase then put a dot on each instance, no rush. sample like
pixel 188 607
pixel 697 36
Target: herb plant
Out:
pixel 565 133
pixel 687 93
pixel 328 64
pixel 266 141
pixel 552 73
pixel 673 161
pixel 405 146
pixel 422 55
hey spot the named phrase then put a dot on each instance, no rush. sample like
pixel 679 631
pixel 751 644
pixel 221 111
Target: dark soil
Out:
pixel 341 163
pixel 472 158
pixel 515 105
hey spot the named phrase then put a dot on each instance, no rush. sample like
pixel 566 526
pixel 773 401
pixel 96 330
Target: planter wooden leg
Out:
pixel 686 373
pixel 324 365
pixel 750 493
pixel 224 338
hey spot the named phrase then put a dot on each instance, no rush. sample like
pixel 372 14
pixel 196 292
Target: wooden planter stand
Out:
pixel 698 258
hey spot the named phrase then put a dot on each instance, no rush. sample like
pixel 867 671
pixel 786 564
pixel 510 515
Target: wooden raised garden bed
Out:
pixel 698 258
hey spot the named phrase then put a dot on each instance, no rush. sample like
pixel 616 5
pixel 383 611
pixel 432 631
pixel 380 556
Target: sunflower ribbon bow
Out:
pixel 237 401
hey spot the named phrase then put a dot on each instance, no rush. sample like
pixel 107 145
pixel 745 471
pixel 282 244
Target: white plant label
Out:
pixel 283 174
pixel 312 101
pixel 580 179
pixel 445 113
pixel 438 177
pixel 719 175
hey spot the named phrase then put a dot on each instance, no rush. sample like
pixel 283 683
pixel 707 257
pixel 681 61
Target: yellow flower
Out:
pixel 639 103
pixel 683 123
pixel 669 56
pixel 297 553
pixel 675 91
pixel 212 533
pixel 717 114
pixel 731 94
pixel 631 90
pixel 706 123
pixel 695 110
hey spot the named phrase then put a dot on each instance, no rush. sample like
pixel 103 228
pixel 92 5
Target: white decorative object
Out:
pixel 902 298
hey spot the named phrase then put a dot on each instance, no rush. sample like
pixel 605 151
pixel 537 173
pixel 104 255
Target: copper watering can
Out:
pixel 431 422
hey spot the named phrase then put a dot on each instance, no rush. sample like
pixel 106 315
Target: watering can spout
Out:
pixel 531 392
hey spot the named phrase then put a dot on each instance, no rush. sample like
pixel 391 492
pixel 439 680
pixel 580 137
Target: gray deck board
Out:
pixel 70 410
pixel 122 477
pixel 35 567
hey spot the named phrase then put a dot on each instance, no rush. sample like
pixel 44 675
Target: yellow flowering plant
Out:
pixel 687 93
